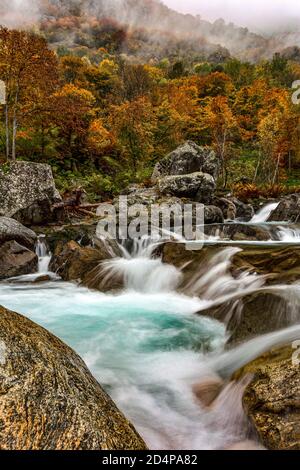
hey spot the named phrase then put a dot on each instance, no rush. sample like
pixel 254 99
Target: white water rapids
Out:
pixel 264 213
pixel 147 346
pixel 44 255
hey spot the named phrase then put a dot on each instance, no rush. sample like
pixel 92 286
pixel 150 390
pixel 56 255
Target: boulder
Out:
pixel 84 233
pixel 73 262
pixel 272 399
pixel 213 215
pixel 28 192
pixel 280 265
pixel 198 186
pixel 49 400
pixel 227 207
pixel 16 260
pixel 255 314
pixel 208 389
pixel 137 194
pixel 244 212
pixel 288 210
pixel 245 232
pixel 188 158
pixel 11 229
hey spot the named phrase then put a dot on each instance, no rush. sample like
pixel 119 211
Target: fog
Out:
pixel 257 15
pixel 281 17
pixel 264 16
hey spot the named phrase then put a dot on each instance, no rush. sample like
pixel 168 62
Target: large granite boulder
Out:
pixel 16 260
pixel 198 186
pixel 272 399
pixel 11 229
pixel 49 400
pixel 188 158
pixel 28 192
pixel 288 210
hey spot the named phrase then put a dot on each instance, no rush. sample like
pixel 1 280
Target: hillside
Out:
pixel 145 30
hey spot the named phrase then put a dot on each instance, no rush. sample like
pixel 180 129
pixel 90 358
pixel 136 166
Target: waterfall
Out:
pixel 214 281
pixel 230 361
pixel 147 346
pixel 263 215
pixel 139 270
pixel 288 235
pixel 44 255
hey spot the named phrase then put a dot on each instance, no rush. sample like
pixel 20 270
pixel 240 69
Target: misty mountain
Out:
pixel 147 29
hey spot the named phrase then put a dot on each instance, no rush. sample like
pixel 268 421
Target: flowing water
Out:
pixel 44 255
pixel 264 213
pixel 147 346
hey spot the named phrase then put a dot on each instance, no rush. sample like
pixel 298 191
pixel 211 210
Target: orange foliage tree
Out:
pixel 29 69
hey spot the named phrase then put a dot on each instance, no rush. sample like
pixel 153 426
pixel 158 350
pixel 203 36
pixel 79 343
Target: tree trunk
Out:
pixel 43 142
pixel 257 168
pixel 15 127
pixel 276 173
pixel 7 133
pixel 14 136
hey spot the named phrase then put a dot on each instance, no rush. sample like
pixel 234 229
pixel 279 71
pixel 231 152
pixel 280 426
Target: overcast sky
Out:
pixel 256 14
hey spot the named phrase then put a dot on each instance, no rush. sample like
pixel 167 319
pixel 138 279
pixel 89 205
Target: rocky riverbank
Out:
pixel 256 295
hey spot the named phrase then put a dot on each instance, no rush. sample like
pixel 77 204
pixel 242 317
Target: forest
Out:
pixel 103 122
pixel 149 228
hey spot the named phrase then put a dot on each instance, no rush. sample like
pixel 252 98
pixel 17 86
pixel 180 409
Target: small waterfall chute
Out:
pixel 230 361
pixel 264 213
pixel 139 270
pixel 44 255
pixel 289 235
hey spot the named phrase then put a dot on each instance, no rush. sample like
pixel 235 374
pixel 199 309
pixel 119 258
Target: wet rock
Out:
pixel 281 265
pixel 16 260
pixel 73 262
pixel 208 389
pixel 255 314
pixel 28 192
pixel 49 400
pixel 83 233
pixel 246 233
pixel 188 158
pixel 288 210
pixel 244 212
pixel 10 229
pixel 272 400
pixel 227 207
pixel 40 279
pixel 199 186
pixel 213 215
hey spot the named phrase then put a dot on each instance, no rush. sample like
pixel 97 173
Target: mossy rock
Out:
pixel 48 398
pixel 272 399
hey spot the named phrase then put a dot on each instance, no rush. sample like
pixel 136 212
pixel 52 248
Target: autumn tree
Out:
pixel 73 117
pixel 29 70
pixel 219 120
pixel 278 134
pixel 133 124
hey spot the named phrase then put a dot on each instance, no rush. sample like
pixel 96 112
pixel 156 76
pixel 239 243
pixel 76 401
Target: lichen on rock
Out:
pixel 48 398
